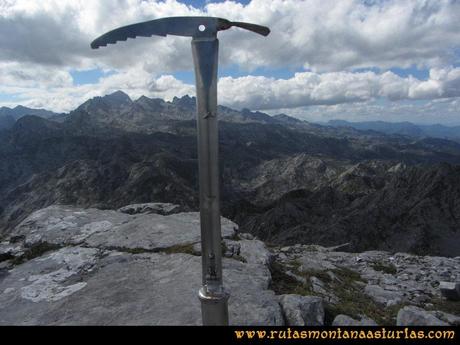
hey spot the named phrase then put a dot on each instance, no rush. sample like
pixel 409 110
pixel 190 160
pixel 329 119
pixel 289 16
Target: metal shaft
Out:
pixel 212 295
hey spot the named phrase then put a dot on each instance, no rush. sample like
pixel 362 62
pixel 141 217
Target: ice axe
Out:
pixel 205 46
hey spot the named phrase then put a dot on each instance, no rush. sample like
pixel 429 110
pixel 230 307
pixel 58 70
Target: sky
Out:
pixel 357 60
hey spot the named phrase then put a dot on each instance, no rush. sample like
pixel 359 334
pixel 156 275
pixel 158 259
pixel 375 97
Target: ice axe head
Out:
pixel 195 27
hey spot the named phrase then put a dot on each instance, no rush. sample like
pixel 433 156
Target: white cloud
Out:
pixel 54 89
pixel 443 111
pixel 326 40
pixel 308 88
pixel 330 35
pixel 321 35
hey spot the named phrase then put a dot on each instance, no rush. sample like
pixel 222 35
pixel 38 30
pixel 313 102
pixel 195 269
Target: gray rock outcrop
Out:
pixel 151 207
pixel 111 268
pixel 67 225
pixel 345 320
pixel 375 282
pixel 302 310
pixel 450 290
pixel 414 316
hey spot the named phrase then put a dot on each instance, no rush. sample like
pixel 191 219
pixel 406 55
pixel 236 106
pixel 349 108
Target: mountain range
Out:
pixel 403 128
pixel 284 180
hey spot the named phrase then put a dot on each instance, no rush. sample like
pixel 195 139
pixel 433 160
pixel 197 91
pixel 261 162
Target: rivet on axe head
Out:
pixel 205 47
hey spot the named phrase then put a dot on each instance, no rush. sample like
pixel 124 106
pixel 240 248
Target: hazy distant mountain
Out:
pixel 19 111
pixel 8 116
pixel 6 121
pixel 402 128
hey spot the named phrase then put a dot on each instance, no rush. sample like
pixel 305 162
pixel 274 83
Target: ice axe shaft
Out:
pixel 212 295
pixel 205 47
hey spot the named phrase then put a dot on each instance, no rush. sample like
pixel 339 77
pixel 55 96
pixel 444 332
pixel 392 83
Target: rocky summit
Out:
pixel 66 265
pixel 141 265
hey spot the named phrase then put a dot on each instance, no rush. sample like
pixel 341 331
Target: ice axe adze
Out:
pixel 205 46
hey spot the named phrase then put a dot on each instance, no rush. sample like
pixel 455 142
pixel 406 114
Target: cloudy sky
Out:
pixel 324 59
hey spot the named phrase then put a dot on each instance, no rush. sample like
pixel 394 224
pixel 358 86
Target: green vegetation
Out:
pixel 385 268
pixel 36 250
pixel 344 283
pixel 283 283
pixel 353 302
pixel 5 257
pixel 348 276
pixel 133 250
pixel 180 248
pixel 235 237
pixel 451 307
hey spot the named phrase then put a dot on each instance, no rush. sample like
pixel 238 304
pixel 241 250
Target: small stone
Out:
pixel 453 320
pixel 153 207
pixel 302 310
pixel 345 320
pixel 317 285
pixel 246 236
pixel 415 316
pixel 420 299
pixel 392 302
pixel 382 296
pixel 282 256
pixel 450 290
pixel 300 279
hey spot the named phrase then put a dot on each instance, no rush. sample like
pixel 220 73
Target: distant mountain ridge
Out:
pixel 402 128
pixel 8 116
pixel 119 110
pixel 154 114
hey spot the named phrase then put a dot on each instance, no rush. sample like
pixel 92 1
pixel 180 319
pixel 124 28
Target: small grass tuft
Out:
pixel 35 251
pixel 135 250
pixel 348 276
pixel 352 300
pixel 283 283
pixel 385 268
pixel 6 257
pixel 235 237
pixel 450 307
pixel 180 248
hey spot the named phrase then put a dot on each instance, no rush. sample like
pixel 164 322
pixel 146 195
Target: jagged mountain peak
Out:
pixel 287 119
pixel 118 96
pixel 112 101
pixel 21 108
pixel 147 102
pixel 256 115
pixel 184 101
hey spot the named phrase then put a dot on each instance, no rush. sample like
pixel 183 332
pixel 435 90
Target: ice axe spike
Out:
pixel 205 47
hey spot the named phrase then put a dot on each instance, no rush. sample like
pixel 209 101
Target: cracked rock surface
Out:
pixel 85 281
pixel 68 225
